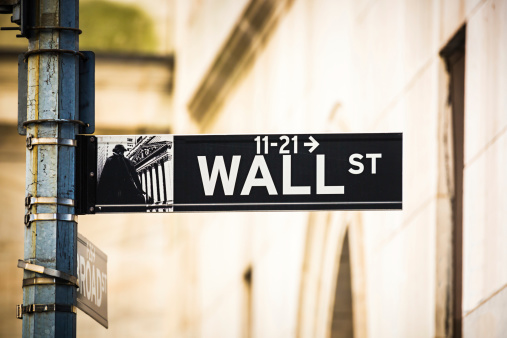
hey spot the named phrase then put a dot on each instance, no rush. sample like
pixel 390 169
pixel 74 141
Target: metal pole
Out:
pixel 50 169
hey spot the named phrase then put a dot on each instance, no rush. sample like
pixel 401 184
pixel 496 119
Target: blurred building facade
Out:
pixel 434 70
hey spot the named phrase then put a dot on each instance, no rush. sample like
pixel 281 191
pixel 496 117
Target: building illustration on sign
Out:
pixel 135 171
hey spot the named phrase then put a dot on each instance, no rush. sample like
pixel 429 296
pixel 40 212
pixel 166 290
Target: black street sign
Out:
pixel 263 172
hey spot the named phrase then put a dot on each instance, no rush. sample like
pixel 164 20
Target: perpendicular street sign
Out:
pixel 262 172
pixel 92 276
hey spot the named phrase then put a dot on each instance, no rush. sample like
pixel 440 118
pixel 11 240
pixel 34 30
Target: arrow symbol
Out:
pixel 313 144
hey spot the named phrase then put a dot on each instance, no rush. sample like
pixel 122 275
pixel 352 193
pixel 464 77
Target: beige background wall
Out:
pixel 375 67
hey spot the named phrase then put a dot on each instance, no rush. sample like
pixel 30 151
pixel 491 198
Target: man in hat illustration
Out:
pixel 119 182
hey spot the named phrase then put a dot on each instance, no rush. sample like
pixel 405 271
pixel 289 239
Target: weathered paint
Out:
pixel 68 87
pixel 52 94
pixel 31 177
pixel 32 158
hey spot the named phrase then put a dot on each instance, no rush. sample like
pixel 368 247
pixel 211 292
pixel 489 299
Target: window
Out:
pixel 343 324
pixel 454 56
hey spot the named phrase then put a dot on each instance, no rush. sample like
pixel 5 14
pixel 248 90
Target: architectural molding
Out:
pixel 152 163
pixel 258 19
pixel 326 233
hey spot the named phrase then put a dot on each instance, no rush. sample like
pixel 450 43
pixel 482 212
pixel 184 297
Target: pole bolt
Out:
pixel 92 174
pixel 92 139
pixel 92 209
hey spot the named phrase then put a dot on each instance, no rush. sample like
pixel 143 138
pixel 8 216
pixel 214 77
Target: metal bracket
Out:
pixel 45 281
pixel 29 218
pixel 23 14
pixel 86 184
pixel 32 141
pixel 57 51
pixel 29 201
pixel 32 308
pixel 49 272
pixel 54 121
pixel 57 28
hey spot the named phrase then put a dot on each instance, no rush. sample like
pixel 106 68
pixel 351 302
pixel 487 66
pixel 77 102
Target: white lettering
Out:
pixel 90 250
pixel 92 281
pixel 104 282
pixel 228 180
pixel 99 288
pixel 82 275
pixel 322 188
pixel 356 163
pixel 288 189
pixel 88 275
pixel 373 161
pixel 94 286
pixel 78 275
pixel 265 181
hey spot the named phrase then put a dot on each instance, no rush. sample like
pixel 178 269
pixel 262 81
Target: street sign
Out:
pixel 174 173
pixel 92 276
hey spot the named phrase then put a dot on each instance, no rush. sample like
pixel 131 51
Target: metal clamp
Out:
pixel 29 218
pixel 57 28
pixel 81 123
pixel 57 51
pixel 10 28
pixel 32 141
pixel 32 308
pixel 48 272
pixel 45 281
pixel 29 201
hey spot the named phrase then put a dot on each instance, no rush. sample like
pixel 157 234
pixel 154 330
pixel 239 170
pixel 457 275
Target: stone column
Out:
pixel 149 191
pixel 143 180
pixel 164 186
pixel 157 177
pixel 168 172
pixel 152 184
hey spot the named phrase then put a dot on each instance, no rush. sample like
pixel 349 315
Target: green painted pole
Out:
pixel 50 169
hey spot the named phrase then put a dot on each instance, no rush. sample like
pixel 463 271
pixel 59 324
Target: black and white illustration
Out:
pixel 135 173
